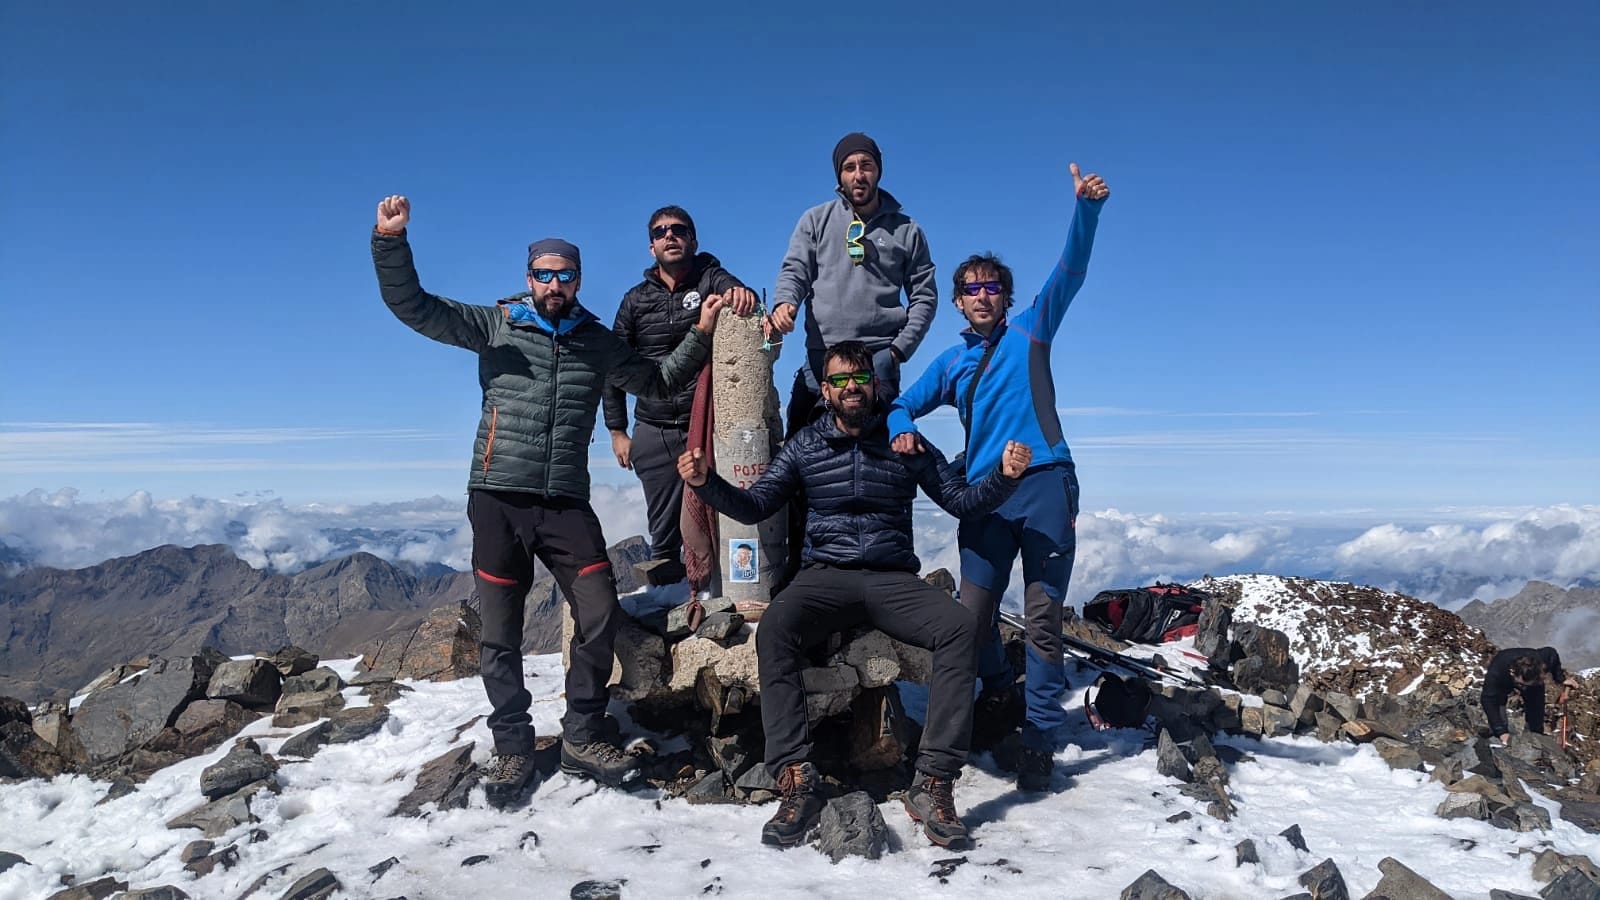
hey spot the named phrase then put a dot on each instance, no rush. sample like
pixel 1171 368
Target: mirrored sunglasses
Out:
pixel 973 288
pixel 840 379
pixel 852 241
pixel 543 276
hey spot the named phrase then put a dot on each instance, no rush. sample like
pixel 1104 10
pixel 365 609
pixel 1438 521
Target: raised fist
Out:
pixel 394 211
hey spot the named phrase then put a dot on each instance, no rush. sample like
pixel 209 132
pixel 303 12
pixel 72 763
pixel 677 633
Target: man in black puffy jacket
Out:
pixel 859 568
pixel 654 318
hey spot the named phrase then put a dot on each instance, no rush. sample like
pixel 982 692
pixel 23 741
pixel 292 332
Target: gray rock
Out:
pixel 23 754
pixel 114 720
pixel 1327 727
pixel 1550 865
pixel 98 889
pixel 1398 754
pixel 756 778
pixel 349 725
pixel 218 817
pixel 730 755
pixel 1295 838
pixel 318 885
pixel 206 863
pixel 1277 721
pixel 720 626
pixel 321 680
pixel 205 724
pixel 598 890
pixel 196 850
pixel 291 661
pixel 383 693
pixel 7 860
pixel 444 781
pixel 306 744
pixel 713 788
pixel 1574 885
pixel 243 765
pixel 1212 638
pixel 1498 894
pixel 1245 852
pixel 1305 704
pixel 1151 886
pixel 852 826
pixel 1266 663
pixel 678 617
pixel 1463 806
pixel 1346 707
pixel 1169 759
pixel 1325 882
pixel 443 648
pixel 162 892
pixel 252 683
pixel 378 870
pixel 1400 883
pixel 1275 697
pixel 1521 817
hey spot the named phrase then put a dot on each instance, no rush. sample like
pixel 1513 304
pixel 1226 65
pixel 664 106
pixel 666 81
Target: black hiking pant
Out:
pixel 510 530
pixel 1494 706
pixel 655 460
pixel 822 600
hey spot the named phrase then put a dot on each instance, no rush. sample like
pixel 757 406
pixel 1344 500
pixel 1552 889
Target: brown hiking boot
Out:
pixel 798 807
pixel 931 802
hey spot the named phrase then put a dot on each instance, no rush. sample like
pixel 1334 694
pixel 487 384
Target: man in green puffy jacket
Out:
pixel 543 361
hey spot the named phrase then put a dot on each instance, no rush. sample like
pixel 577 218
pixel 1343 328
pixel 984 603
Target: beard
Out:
pixel 857 416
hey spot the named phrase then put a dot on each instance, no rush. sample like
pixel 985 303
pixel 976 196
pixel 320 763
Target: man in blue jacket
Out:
pixel 860 567
pixel 998 379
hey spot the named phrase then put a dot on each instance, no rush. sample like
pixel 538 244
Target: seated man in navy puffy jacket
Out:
pixel 859 567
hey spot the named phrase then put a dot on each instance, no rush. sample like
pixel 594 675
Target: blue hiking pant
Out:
pixel 1039 521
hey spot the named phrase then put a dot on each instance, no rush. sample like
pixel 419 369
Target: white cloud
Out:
pixel 1489 556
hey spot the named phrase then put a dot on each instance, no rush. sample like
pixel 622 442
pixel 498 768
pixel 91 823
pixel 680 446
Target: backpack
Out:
pixel 1116 702
pixel 1148 615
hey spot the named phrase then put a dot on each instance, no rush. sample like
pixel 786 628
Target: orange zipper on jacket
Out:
pixel 488 447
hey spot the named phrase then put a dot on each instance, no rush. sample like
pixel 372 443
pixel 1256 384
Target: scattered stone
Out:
pixel 306 744
pixel 116 719
pixel 292 660
pixel 713 788
pixel 1327 727
pixel 1463 806
pixel 216 818
pixel 1180 817
pixel 1245 852
pixel 1169 759
pixel 1151 886
pixel 252 683
pixel 1305 704
pixel 678 619
pixel 206 724
pixel 444 781
pixel 1295 838
pixel 1574 885
pixel 349 725
pixel 720 626
pixel 203 862
pixel 121 787
pixel 1211 640
pixel 1508 895
pixel 1274 697
pixel 7 860
pixel 852 825
pixel 1550 865
pixel 1521 817
pixel 1325 882
pixel 321 680
pixel 598 890
pixel 756 778
pixel 443 648
pixel 98 889
pixel 23 754
pixel 383 693
pixel 1277 721
pixel 730 755
pixel 1266 662
pixel 475 860
pixel 162 892
pixel 1398 754
pixel 243 765
pixel 1346 707
pixel 1400 883
pixel 319 885
pixel 379 870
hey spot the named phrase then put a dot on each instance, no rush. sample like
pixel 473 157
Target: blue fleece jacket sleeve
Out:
pixel 929 393
pixel 1070 270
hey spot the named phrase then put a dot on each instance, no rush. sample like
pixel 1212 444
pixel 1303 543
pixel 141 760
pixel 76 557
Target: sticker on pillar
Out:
pixel 744 562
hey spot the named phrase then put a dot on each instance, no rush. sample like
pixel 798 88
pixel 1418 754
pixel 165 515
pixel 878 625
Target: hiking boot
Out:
pixel 600 760
pixel 1034 769
pixel 931 802
pixel 997 713
pixel 507 778
pixel 799 806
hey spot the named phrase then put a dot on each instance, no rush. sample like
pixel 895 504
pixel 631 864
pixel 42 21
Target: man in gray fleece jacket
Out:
pixel 850 258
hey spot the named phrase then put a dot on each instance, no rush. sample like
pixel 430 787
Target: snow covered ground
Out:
pixel 1106 824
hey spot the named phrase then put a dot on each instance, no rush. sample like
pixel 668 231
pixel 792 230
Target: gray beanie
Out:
pixel 554 247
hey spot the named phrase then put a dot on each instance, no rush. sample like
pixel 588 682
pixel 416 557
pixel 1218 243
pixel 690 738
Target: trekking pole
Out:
pixel 1103 657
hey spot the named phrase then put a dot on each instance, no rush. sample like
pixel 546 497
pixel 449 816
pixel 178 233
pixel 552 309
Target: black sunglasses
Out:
pixel 676 229
pixel 543 276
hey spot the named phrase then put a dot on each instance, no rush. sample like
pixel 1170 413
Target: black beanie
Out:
pixel 854 142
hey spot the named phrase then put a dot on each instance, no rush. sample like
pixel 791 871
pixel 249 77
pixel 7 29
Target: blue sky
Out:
pixel 1349 265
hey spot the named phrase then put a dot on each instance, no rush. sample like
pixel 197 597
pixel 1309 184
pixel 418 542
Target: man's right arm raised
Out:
pixel 771 491
pixel 446 321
